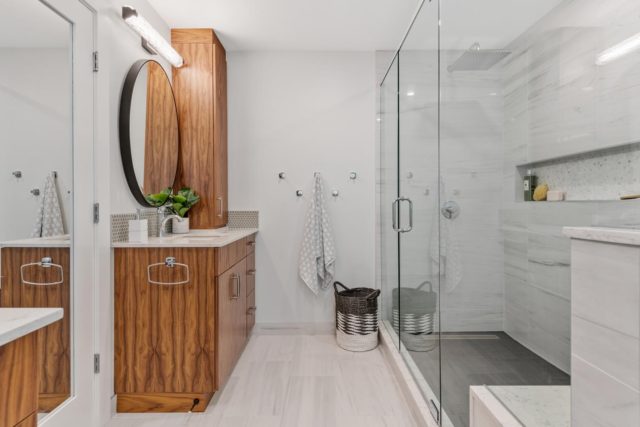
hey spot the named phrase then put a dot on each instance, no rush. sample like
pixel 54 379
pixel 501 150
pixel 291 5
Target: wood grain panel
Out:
pixel 251 243
pixel 193 87
pixel 30 421
pixel 231 332
pixel 251 312
pixel 200 88
pixel 220 184
pixel 163 402
pixel 161 132
pixel 193 35
pixel 229 255
pixel 164 334
pixel 251 273
pixel 54 342
pixel 18 380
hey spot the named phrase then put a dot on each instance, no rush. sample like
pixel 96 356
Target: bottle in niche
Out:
pixel 530 181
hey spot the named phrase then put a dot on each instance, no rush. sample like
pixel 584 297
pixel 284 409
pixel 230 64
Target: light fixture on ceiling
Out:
pixel 621 49
pixel 152 40
pixel 411 93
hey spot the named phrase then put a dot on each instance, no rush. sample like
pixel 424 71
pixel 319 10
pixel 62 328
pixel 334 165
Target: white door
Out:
pixel 77 410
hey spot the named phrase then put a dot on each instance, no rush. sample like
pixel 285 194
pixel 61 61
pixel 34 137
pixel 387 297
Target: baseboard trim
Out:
pixel 162 402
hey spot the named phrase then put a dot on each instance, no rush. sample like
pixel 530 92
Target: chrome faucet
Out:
pixel 164 222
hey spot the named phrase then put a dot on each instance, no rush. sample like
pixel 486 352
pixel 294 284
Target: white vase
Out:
pixel 180 227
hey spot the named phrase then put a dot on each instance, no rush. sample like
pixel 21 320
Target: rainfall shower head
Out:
pixel 476 59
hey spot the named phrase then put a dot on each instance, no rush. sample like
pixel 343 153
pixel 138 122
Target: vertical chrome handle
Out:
pixel 406 230
pixel 235 293
pixel 394 215
pixel 221 207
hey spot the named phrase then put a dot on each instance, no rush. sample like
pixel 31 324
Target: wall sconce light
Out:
pixel 152 40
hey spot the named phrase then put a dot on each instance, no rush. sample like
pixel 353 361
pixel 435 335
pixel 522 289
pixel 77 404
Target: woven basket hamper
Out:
pixel 356 318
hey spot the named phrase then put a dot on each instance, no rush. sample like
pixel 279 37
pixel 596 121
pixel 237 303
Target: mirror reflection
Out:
pixel 36 178
pixel 152 130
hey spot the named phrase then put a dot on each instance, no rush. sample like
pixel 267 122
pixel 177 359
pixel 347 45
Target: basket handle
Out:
pixel 374 294
pixel 424 283
pixel 335 286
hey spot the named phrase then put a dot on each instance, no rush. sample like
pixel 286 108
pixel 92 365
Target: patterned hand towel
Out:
pixel 317 256
pixel 49 219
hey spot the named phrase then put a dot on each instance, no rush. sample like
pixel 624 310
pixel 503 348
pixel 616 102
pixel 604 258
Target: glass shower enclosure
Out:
pixel 479 97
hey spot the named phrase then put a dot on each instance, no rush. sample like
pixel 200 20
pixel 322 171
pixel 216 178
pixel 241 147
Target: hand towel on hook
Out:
pixel 49 218
pixel 317 257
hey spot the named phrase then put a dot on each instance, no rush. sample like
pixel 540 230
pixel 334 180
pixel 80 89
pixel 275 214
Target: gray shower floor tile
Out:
pixel 468 361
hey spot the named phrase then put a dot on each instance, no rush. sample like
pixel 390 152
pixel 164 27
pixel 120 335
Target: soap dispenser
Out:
pixel 530 181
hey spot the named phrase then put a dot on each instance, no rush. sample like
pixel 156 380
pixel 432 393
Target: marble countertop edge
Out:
pixel 623 236
pixel 17 322
pixel 195 239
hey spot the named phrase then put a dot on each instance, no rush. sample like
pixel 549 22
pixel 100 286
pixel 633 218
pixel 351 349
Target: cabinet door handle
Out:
pixel 251 243
pixel 251 272
pixel 221 207
pixel 235 280
pixel 252 310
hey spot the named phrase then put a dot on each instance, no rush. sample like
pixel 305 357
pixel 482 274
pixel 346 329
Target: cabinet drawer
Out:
pixel 251 273
pixel 251 243
pixel 251 312
pixel 230 255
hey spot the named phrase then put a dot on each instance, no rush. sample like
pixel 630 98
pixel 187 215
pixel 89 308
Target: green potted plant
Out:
pixel 181 203
pixel 177 204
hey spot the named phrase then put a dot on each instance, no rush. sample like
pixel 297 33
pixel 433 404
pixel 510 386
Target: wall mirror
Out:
pixel 149 136
pixel 36 176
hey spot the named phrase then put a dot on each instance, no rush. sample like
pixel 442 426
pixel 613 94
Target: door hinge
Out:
pixel 96 363
pixel 95 61
pixel 96 213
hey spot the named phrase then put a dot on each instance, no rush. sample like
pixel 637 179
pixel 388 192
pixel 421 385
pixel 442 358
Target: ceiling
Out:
pixel 353 25
pixel 310 25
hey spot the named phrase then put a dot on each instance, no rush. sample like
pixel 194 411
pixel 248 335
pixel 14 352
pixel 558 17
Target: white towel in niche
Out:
pixel 49 218
pixel 316 266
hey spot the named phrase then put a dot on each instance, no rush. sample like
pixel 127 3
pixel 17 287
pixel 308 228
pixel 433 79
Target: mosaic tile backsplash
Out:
pixel 601 175
pixel 120 222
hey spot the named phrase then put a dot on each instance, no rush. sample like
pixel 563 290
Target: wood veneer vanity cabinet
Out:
pixel 54 341
pixel 200 88
pixel 179 341
pixel 18 362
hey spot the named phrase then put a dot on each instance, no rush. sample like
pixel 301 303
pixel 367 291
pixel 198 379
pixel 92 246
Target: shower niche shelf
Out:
pixel 598 175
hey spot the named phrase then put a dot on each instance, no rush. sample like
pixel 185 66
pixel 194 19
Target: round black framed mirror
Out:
pixel 148 127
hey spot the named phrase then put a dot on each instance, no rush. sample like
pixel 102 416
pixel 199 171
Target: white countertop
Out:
pixel 623 236
pixel 18 322
pixel 39 242
pixel 195 239
pixel 537 405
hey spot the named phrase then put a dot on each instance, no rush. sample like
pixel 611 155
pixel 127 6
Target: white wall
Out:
pixel 299 113
pixel 35 124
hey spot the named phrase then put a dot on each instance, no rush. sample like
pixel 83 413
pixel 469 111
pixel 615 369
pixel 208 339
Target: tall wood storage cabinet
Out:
pixel 200 88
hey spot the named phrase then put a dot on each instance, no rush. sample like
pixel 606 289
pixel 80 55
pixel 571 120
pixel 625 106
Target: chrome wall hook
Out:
pixel 299 193
pixel 335 193
pixel 353 176
pixel 282 175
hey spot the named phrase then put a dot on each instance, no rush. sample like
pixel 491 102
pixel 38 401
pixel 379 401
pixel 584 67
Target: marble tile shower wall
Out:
pixel 471 131
pixel 559 103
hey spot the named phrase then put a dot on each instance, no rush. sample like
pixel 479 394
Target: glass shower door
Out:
pixel 418 203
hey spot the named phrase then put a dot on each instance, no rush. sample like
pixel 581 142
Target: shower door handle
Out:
pixel 394 214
